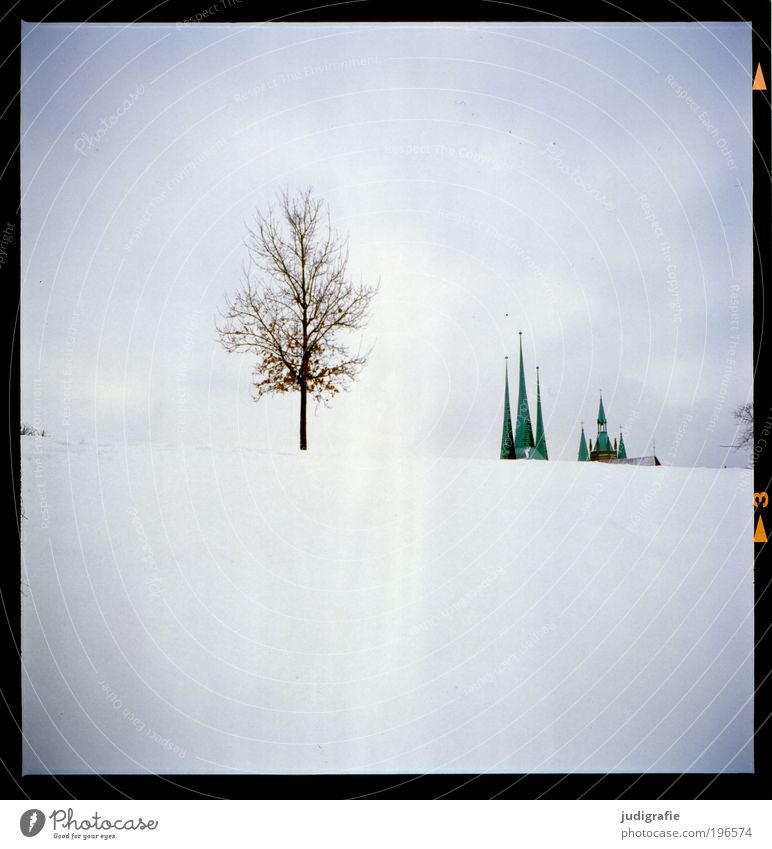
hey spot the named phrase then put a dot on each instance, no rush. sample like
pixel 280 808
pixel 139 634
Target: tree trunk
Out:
pixel 303 394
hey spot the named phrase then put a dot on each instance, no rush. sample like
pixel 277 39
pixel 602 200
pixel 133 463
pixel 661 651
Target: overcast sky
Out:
pixel 588 185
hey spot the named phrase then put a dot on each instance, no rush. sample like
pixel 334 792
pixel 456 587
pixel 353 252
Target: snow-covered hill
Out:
pixel 199 610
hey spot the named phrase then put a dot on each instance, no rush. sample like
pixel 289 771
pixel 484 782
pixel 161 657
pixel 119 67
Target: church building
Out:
pixel 604 451
pixel 521 445
pixel 518 442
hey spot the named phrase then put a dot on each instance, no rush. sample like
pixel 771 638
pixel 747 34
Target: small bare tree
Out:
pixel 744 417
pixel 295 299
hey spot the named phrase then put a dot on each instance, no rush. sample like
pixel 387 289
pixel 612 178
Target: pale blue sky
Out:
pixel 588 185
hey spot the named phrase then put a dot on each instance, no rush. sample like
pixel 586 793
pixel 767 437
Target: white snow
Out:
pixel 219 610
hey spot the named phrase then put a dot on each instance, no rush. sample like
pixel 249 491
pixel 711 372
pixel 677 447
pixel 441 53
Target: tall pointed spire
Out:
pixel 583 453
pixel 541 440
pixel 603 449
pixel 523 430
pixel 507 440
pixel 601 415
pixel 621 451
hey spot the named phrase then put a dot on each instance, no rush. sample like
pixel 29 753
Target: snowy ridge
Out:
pixel 188 609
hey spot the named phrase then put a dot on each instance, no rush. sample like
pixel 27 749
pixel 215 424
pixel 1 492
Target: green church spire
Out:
pixel 602 442
pixel 583 453
pixel 621 452
pixel 507 440
pixel 523 430
pixel 541 439
pixel 601 414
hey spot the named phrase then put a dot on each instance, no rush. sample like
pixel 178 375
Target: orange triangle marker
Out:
pixel 761 534
pixel 759 83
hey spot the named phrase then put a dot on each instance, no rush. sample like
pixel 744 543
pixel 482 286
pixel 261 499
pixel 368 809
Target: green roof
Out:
pixel 507 440
pixel 523 430
pixel 583 453
pixel 601 412
pixel 621 452
pixel 541 439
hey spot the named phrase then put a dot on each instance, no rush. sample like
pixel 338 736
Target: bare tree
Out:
pixel 295 299
pixel 744 417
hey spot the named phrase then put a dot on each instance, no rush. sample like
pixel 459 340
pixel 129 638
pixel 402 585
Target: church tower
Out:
pixel 521 446
pixel 584 454
pixel 523 430
pixel 603 449
pixel 540 449
pixel 507 440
